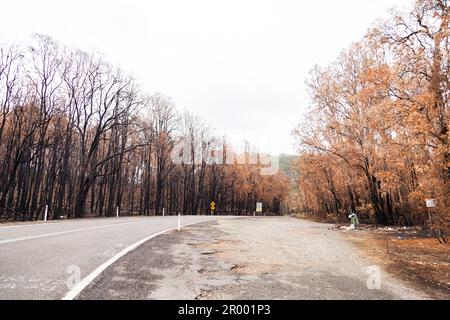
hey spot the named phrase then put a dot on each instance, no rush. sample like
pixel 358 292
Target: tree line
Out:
pixel 377 136
pixel 80 136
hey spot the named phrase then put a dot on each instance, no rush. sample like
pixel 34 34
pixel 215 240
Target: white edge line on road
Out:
pixel 76 290
pixel 35 224
pixel 58 222
pixel 64 232
pixel 26 225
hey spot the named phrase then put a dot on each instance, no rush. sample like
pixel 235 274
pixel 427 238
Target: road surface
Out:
pixel 262 258
pixel 41 261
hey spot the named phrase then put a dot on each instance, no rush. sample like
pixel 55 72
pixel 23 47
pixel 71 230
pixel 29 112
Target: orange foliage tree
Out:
pixel 377 135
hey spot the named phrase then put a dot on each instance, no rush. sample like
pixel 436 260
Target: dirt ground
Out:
pixel 409 254
pixel 262 258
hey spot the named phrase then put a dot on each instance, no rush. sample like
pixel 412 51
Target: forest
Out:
pixel 376 136
pixel 81 138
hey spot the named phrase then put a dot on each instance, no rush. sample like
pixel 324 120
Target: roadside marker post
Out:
pixel 164 209
pixel 179 221
pixel 117 212
pixel 46 212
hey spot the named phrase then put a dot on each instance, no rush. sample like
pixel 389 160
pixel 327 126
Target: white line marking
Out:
pixel 64 232
pixel 56 222
pixel 27 225
pixel 69 221
pixel 76 290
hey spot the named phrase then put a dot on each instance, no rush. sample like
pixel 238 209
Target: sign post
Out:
pixel 213 207
pixel 259 207
pixel 431 203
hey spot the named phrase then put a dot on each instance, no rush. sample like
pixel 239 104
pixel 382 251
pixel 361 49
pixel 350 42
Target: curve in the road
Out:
pixel 76 290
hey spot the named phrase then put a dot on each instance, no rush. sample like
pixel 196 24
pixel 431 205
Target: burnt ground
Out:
pixel 410 254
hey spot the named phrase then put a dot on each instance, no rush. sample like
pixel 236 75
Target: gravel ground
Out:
pixel 263 258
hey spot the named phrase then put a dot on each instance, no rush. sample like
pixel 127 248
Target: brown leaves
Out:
pixel 378 128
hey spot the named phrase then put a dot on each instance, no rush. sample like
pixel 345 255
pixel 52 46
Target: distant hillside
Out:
pixel 286 162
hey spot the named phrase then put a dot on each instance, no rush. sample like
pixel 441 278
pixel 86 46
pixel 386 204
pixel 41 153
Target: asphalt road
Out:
pixel 263 258
pixel 41 261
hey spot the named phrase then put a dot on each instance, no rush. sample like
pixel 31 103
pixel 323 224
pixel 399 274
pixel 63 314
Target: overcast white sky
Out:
pixel 239 64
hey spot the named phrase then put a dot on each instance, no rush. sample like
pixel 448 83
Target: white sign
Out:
pixel 259 207
pixel 431 203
